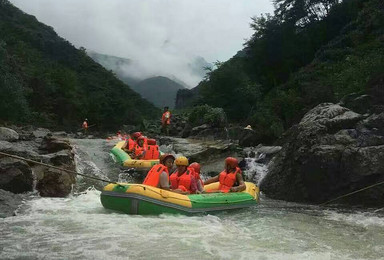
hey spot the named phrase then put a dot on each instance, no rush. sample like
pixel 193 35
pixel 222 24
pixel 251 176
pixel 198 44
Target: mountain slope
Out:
pixel 46 81
pixel 161 91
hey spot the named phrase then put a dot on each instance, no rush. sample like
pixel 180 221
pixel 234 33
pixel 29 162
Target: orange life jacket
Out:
pixel 166 118
pixel 152 152
pixel 153 176
pixel 131 144
pixel 227 180
pixel 182 182
pixel 139 150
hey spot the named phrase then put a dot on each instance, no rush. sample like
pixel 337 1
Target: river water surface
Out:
pixel 78 227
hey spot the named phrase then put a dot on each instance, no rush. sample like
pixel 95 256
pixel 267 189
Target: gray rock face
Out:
pixel 53 145
pixel 55 183
pixel 197 150
pixel 15 176
pixel 331 152
pixel 41 132
pixel 7 134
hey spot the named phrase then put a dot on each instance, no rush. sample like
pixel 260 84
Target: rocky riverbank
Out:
pixel 334 150
pixel 18 177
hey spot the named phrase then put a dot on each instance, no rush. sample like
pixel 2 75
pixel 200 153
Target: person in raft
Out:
pixel 130 142
pixel 183 179
pixel 158 176
pixel 140 148
pixel 229 177
pixel 196 169
pixel 165 121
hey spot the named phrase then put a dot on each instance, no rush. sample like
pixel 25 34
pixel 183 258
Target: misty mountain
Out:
pixel 161 91
pixel 118 65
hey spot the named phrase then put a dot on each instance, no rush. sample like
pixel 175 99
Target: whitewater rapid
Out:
pixel 78 227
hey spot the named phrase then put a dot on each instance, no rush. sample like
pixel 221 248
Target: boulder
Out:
pixel 15 175
pixel 26 149
pixel 52 145
pixel 197 129
pixel 357 102
pixel 331 152
pixel 197 150
pixel 60 133
pixel 52 182
pixel 55 183
pixel 7 134
pixel 41 133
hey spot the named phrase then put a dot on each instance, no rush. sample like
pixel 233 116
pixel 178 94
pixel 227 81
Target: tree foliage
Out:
pixel 309 51
pixel 45 80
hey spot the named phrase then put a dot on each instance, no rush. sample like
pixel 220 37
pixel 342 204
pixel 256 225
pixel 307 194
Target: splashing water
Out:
pixel 255 171
pixel 78 227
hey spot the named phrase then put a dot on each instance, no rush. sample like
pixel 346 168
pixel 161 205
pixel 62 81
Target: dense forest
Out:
pixel 46 81
pixel 308 52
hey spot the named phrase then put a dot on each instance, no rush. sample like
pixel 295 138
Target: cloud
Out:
pixel 162 36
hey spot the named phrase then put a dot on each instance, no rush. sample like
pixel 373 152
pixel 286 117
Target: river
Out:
pixel 78 227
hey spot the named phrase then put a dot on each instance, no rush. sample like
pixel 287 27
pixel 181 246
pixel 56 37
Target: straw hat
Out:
pixel 248 127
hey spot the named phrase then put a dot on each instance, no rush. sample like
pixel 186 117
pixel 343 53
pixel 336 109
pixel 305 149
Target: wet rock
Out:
pixel 198 150
pixel 331 152
pixel 197 129
pixel 261 154
pixel 52 145
pixel 60 133
pixel 26 149
pixel 55 183
pixel 7 134
pixel 357 103
pixel 212 134
pixel 186 131
pixel 41 133
pixel 9 203
pixel 15 176
pixel 52 182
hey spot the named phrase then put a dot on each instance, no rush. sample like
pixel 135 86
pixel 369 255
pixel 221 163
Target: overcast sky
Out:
pixel 161 35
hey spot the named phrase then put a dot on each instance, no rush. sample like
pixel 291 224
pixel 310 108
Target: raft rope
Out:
pixel 351 193
pixel 54 167
pixel 108 181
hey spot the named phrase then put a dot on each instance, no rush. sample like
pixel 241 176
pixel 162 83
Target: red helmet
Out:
pixel 163 157
pixel 141 137
pixel 136 135
pixel 233 162
pixel 195 166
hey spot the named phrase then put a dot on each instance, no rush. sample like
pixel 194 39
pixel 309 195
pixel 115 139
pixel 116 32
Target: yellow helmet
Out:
pixel 181 161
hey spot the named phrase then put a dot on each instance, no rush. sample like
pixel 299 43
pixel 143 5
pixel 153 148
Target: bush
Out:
pixel 205 114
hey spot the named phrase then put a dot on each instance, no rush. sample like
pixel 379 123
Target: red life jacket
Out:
pixel 152 152
pixel 182 182
pixel 227 180
pixel 131 144
pixel 166 118
pixel 153 176
pixel 139 150
pixel 85 125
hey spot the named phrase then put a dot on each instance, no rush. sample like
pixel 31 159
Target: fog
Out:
pixel 162 37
